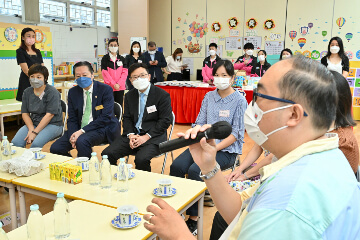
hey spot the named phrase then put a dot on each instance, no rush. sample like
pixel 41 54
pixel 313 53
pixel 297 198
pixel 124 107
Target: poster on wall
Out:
pixel 219 51
pixel 254 40
pixel 141 40
pixel 190 63
pixel 233 43
pixel 274 47
pixel 354 83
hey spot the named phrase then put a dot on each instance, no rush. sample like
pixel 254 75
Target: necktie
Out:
pixel 86 116
pixel 142 107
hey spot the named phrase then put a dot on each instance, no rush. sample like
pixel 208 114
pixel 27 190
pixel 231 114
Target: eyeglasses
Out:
pixel 256 95
pixel 143 75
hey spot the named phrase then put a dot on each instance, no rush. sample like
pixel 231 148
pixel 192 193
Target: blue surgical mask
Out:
pixel 83 82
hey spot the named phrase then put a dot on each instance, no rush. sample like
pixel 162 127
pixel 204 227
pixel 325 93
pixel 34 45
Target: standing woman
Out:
pixel 336 59
pixel 133 57
pixel 262 66
pixel 114 71
pixel 174 65
pixel 26 56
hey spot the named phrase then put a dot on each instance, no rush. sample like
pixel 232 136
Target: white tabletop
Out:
pixel 9 105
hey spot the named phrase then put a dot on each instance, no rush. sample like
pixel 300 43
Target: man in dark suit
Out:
pixel 154 60
pixel 147 116
pixel 91 115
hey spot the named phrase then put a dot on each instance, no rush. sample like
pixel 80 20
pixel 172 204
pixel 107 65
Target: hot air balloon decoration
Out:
pixel 304 31
pixel 292 35
pixel 324 33
pixel 301 42
pixel 310 25
pixel 340 22
pixel 349 36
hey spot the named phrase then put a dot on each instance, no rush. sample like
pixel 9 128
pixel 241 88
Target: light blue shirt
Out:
pixel 231 109
pixel 145 99
pixel 152 56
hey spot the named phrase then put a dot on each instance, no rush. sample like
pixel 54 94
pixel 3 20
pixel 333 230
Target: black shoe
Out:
pixel 192 225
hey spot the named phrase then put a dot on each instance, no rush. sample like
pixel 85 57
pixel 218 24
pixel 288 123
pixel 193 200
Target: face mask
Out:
pixel 261 58
pixel 178 57
pixel 286 56
pixel 30 41
pixel 136 49
pixel 253 115
pixel 212 52
pixel 141 83
pixel 36 83
pixel 249 52
pixel 221 83
pixel 83 82
pixel 152 52
pixel 113 49
pixel 334 49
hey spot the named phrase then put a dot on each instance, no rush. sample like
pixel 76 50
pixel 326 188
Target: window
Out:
pixel 10 7
pixel 103 18
pixel 84 1
pixel 103 3
pixel 52 10
pixel 80 14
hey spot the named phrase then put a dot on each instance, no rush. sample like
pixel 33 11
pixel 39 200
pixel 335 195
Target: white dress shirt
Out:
pixel 173 66
pixel 84 106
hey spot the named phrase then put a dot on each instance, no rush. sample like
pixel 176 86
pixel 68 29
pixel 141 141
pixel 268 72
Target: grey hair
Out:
pixel 311 84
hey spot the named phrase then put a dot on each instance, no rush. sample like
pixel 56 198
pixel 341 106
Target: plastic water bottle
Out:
pixel 94 170
pixel 5 148
pixel 2 233
pixel 122 176
pixel 105 172
pixel 61 217
pixel 35 224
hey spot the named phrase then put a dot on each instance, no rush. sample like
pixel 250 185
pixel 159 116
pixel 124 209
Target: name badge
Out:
pixel 151 109
pixel 139 61
pixel 119 63
pixel 257 68
pixel 224 113
pixel 99 107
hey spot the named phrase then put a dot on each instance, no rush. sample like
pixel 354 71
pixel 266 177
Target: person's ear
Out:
pixel 295 116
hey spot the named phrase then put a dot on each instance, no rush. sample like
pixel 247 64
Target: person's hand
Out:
pixel 117 86
pixel 233 175
pixel 132 138
pixel 204 152
pixel 155 62
pixel 240 178
pixel 152 62
pixel 166 222
pixel 210 81
pixel 31 137
pixel 28 134
pixel 168 72
pixel 140 140
pixel 246 62
pixel 74 137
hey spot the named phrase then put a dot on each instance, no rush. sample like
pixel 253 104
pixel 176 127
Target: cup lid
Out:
pixel 34 207
pixel 81 159
pixel 127 209
pixel 35 149
pixel 164 181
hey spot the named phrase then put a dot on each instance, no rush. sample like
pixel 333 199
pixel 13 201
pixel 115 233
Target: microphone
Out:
pixel 219 130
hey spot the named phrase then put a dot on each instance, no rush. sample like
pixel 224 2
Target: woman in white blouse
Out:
pixel 336 59
pixel 174 65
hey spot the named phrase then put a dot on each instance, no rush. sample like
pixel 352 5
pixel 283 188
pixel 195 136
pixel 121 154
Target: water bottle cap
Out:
pixel 122 159
pixel 5 137
pixel 104 156
pixel 93 154
pixel 34 207
pixel 1 224
pixel 60 195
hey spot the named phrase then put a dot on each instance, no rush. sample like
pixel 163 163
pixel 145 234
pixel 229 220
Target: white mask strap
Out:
pixel 276 130
pixel 279 108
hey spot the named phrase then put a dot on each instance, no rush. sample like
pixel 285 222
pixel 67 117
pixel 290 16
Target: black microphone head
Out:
pixel 220 130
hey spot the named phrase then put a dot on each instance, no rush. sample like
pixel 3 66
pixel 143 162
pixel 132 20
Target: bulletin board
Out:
pixel 354 83
pixel 10 40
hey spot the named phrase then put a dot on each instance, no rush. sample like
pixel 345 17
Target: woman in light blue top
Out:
pixel 222 104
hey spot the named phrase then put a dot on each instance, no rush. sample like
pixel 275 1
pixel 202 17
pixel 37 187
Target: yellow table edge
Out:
pixel 10 111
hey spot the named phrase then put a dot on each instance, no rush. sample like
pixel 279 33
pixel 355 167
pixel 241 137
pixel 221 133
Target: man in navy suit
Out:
pixel 154 60
pixel 91 115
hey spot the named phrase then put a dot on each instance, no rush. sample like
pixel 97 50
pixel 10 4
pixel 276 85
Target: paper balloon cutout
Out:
pixel 315 54
pixel 39 36
pixel 307 54
pixel 323 54
pixel 233 22
pixel 340 22
pixel 304 31
pixel 301 42
pixel 179 19
pixel 194 48
pixel 216 27
pixel 292 35
pixel 269 24
pixel 349 54
pixel 349 36
pixel 310 25
pixel 297 52
pixel 324 33
pixel 189 38
pixel 251 23
pixel 358 54
pixel 198 30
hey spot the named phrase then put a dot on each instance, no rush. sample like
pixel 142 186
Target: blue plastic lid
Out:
pixel 34 207
pixel 60 195
pixel 5 137
pixel 122 159
pixel 93 154
pixel 1 224
pixel 104 156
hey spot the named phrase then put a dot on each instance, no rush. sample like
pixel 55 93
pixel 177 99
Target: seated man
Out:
pixel 290 115
pixel 91 115
pixel 147 116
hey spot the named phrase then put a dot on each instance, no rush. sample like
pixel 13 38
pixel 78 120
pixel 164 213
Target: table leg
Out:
pixel 2 125
pixel 13 214
pixel 200 221
pixel 22 205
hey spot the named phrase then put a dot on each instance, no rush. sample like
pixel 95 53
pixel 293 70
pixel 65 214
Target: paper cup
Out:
pixel 37 153
pixel 129 166
pixel 127 215
pixel 83 162
pixel 164 186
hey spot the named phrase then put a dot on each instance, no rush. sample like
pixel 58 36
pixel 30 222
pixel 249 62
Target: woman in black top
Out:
pixel 26 56
pixel 133 57
pixel 336 59
pixel 262 66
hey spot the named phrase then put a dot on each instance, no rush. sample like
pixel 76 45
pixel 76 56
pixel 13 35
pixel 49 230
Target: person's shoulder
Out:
pixel 51 88
pixel 101 85
pixel 158 90
pixel 168 58
pixel 28 90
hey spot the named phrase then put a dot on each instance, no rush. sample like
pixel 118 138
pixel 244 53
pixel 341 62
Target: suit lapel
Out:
pixel 149 101
pixel 94 99
pixel 81 102
pixel 136 101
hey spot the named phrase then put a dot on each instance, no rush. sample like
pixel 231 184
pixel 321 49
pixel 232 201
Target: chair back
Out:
pixel 64 108
pixel 118 111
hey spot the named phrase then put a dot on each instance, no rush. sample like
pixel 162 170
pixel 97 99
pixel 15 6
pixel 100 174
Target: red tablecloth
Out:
pixel 186 101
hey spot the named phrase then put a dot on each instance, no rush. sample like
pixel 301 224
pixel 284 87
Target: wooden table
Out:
pixel 8 107
pixel 7 178
pixel 88 221
pixel 140 192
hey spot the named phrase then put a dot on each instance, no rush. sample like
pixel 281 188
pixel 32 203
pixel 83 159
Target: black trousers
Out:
pixel 119 97
pixel 218 227
pixel 174 76
pixel 143 154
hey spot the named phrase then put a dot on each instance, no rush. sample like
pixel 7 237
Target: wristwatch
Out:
pixel 211 173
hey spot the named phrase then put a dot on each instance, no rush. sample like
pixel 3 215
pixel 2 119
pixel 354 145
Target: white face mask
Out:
pixel 141 83
pixel 221 83
pixel 249 52
pixel 261 58
pixel 334 49
pixel 286 56
pixel 152 52
pixel 136 50
pixel 178 57
pixel 212 52
pixel 253 115
pixel 113 49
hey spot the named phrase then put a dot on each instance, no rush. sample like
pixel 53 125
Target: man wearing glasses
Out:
pixel 147 116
